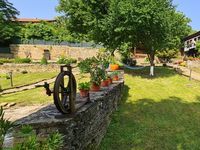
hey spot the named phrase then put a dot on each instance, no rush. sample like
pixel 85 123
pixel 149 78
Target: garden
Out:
pixel 156 113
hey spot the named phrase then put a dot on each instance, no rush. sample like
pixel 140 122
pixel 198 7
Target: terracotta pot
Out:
pixel 114 67
pixel 105 83
pixel 115 78
pixel 95 88
pixel 84 93
pixel 109 81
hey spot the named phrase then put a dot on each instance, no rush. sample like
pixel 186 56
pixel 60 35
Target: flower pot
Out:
pixel 95 87
pixel 84 93
pixel 114 67
pixel 115 78
pixel 109 81
pixel 105 83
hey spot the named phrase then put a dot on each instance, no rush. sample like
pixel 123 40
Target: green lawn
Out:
pixel 34 96
pixel 156 113
pixel 24 79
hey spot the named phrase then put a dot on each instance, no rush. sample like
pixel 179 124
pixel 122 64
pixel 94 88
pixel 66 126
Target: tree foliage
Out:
pixel 7 15
pixel 156 25
pixel 198 46
pixel 56 32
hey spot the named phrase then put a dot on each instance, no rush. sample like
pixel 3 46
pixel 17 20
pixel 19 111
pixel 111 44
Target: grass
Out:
pixel 34 96
pixel 156 113
pixel 20 79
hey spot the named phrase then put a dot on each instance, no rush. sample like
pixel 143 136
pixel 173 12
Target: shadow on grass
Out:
pixel 160 72
pixel 145 124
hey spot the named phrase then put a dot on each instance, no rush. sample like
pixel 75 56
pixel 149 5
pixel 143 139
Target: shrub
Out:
pixel 22 60
pixel 6 60
pixel 5 125
pixel 43 61
pixel 24 72
pixel 85 65
pixel 66 60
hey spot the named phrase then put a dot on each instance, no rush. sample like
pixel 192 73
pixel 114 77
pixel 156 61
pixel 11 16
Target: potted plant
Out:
pixel 115 76
pixel 113 64
pixel 104 82
pixel 84 88
pixel 96 76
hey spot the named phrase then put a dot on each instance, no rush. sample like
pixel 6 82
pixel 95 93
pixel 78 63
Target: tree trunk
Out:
pixel 151 59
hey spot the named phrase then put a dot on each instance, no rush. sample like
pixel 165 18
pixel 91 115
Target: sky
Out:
pixel 45 9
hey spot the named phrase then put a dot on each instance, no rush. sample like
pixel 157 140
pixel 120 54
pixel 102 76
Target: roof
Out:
pixel 32 20
pixel 192 36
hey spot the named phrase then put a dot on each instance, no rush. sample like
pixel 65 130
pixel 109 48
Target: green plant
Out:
pixel 112 60
pixel 22 60
pixel 167 55
pixel 66 60
pixel 5 125
pixel 84 86
pixel 96 74
pixel 115 73
pixel 43 61
pixel 85 65
pixel 24 72
pixel 6 60
pixel 103 58
pixel 31 142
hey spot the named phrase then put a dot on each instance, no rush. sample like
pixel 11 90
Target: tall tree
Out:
pixel 7 15
pixel 156 25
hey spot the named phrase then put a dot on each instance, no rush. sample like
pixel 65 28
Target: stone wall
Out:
pixel 36 52
pixel 86 128
pixel 6 55
pixel 29 68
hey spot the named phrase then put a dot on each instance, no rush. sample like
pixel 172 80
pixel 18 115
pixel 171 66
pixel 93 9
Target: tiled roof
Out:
pixel 192 36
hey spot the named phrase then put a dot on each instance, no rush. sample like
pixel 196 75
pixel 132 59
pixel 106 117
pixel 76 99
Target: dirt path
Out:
pixel 185 71
pixel 27 87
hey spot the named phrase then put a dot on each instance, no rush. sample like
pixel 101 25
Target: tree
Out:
pixel 40 31
pixel 7 15
pixel 167 55
pixel 198 47
pixel 156 25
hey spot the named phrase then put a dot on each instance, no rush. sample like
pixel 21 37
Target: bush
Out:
pixel 43 61
pixel 66 60
pixel 5 125
pixel 129 61
pixel 22 60
pixel 6 60
pixel 24 72
pixel 85 65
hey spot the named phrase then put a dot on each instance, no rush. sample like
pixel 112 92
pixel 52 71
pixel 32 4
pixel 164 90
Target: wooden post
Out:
pixel 11 78
pixel 190 78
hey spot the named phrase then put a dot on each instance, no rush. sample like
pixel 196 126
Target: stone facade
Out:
pixel 6 55
pixel 52 52
pixel 86 128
